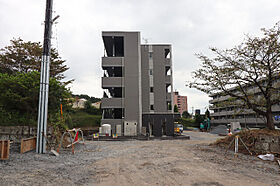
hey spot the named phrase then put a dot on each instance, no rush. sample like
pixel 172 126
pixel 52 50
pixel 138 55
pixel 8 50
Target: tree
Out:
pixel 207 114
pixel 90 109
pixel 87 97
pixel 19 97
pixel 175 108
pixel 198 119
pixel 186 114
pixel 234 72
pixel 24 57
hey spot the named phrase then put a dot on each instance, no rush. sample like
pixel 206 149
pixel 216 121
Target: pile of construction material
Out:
pixel 258 141
pixel 220 130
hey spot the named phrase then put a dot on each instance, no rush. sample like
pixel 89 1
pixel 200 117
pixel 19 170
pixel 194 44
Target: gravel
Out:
pixel 157 162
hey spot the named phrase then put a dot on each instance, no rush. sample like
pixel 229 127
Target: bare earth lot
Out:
pixel 167 162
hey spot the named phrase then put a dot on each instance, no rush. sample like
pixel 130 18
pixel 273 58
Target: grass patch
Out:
pixel 82 119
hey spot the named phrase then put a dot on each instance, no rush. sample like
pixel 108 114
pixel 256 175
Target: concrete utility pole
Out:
pixel 44 82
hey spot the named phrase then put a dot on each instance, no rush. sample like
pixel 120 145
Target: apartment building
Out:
pixel 181 102
pixel 157 86
pixel 223 114
pixel 137 85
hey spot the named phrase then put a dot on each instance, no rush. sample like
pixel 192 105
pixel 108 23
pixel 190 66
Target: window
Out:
pixel 150 55
pixel 167 53
pixel 152 107
pixel 151 72
pixel 151 89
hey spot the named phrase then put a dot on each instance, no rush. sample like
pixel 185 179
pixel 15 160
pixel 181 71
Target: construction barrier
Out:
pixel 4 149
pixel 27 144
pixel 73 139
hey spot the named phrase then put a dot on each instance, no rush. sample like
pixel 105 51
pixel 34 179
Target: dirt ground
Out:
pixel 157 162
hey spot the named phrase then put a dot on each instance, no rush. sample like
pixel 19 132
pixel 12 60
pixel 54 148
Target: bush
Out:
pixel 19 97
pixel 83 119
pixel 90 109
pixel 187 122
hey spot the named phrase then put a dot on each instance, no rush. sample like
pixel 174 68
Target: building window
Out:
pixel 151 89
pixel 152 107
pixel 167 53
pixel 151 72
pixel 150 55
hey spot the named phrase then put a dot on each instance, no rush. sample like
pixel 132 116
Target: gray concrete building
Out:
pixel 223 114
pixel 137 85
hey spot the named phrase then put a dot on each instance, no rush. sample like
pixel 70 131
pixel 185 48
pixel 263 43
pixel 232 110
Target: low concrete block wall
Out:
pixel 268 144
pixel 16 133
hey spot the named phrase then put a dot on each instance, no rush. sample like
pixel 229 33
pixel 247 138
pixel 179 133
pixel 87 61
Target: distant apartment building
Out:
pixel 223 114
pixel 79 103
pixel 181 102
pixel 96 104
pixel 137 85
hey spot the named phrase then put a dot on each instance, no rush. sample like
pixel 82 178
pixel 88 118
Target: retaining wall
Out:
pixel 268 144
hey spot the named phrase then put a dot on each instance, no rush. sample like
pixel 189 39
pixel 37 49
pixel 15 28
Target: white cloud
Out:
pixel 190 26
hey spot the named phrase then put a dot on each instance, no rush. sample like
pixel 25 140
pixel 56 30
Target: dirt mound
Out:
pixel 249 137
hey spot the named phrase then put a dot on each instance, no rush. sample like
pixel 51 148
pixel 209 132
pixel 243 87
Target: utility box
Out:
pixel 130 128
pixel 235 127
pixel 119 130
pixel 144 131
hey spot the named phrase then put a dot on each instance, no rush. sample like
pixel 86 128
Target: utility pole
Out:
pixel 44 82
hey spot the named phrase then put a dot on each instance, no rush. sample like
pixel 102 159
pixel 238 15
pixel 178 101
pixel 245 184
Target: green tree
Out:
pixel 24 57
pixel 90 109
pixel 175 108
pixel 207 114
pixel 87 97
pixel 19 94
pixel 254 63
pixel 198 119
pixel 186 114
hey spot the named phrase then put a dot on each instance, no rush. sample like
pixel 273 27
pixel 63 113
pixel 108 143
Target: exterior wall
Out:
pixel 159 79
pixel 159 124
pixel 145 79
pixel 132 70
pixel 130 62
pixel 159 120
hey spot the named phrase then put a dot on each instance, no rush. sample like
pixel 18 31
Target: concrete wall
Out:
pixel 268 144
pixel 132 71
pixel 154 124
pixel 159 78
pixel 145 79
pixel 132 102
pixel 16 133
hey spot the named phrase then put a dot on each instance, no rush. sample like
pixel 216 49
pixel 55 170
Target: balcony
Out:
pixel 167 62
pixel 112 62
pixel 108 82
pixel 112 103
pixel 112 121
pixel 168 96
pixel 168 79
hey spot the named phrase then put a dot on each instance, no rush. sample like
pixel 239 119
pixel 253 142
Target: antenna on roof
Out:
pixel 146 40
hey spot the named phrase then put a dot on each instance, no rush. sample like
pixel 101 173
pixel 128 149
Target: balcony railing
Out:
pixel 112 62
pixel 168 79
pixel 108 82
pixel 112 103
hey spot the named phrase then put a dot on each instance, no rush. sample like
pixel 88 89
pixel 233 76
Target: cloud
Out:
pixel 190 26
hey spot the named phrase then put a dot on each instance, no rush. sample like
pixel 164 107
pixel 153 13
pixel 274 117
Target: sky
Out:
pixel 191 26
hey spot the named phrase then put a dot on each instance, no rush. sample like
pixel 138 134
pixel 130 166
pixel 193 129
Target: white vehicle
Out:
pixel 180 126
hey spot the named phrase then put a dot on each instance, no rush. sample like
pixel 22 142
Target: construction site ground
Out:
pixel 156 162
